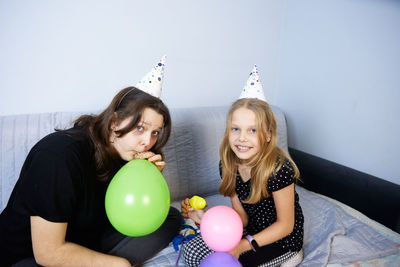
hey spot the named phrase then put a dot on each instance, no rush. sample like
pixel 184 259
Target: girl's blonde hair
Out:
pixel 265 164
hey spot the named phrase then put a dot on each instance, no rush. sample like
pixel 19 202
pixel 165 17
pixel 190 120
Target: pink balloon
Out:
pixel 221 228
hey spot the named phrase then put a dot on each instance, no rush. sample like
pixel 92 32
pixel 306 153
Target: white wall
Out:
pixel 339 82
pixel 75 55
pixel 331 65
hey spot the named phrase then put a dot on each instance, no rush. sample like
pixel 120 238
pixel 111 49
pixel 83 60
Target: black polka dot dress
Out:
pixel 263 214
pixel 260 216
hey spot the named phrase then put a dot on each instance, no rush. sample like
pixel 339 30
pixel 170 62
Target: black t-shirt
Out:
pixel 58 183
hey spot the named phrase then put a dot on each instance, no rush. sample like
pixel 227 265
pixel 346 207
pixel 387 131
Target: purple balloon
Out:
pixel 220 259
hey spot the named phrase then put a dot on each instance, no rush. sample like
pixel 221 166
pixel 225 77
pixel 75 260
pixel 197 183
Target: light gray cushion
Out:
pixel 191 153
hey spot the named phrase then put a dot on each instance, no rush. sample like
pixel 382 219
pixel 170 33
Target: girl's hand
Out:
pixel 189 212
pixel 185 205
pixel 154 158
pixel 235 253
pixel 195 215
pixel 243 246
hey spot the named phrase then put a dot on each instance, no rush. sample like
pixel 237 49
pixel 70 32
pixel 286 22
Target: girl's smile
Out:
pixel 243 149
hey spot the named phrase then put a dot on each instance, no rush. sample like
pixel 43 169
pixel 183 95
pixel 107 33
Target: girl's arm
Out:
pixel 51 249
pixel 237 206
pixel 284 204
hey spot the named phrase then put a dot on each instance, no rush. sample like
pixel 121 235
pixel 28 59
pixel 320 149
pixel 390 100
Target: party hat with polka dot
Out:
pixel 253 87
pixel 152 82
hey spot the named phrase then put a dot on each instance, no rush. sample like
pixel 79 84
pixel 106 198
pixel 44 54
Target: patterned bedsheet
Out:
pixel 382 244
pixel 388 261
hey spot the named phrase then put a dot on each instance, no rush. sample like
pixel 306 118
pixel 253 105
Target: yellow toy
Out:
pixel 197 202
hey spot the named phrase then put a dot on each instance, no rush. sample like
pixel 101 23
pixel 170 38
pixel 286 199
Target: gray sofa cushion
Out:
pixel 191 153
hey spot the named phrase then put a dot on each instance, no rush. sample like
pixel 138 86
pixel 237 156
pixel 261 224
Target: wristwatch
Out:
pixel 253 243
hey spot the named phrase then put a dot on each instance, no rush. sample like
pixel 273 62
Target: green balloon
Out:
pixel 137 200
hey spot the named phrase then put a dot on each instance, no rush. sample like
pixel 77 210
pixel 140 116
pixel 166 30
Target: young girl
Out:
pixel 259 178
pixel 56 215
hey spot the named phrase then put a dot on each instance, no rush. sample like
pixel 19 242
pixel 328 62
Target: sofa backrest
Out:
pixel 191 154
